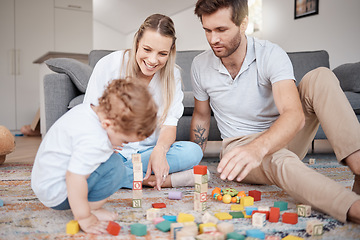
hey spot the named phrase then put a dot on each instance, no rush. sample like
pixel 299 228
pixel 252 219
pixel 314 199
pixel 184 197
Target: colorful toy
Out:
pixel 113 228
pixel 7 143
pixel 223 216
pixel 255 194
pixel 201 187
pixel 137 182
pixel 290 218
pixel 274 214
pixel 159 205
pixel 138 229
pixel 303 210
pixel 175 195
pixel 72 227
pixel 184 217
pixel 164 226
pixel 314 227
pixel 282 205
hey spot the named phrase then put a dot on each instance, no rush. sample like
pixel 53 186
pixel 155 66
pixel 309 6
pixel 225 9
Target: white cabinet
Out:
pixel 73 26
pixel 27 31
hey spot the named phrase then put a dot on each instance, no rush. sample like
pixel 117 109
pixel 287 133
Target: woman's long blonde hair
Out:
pixel 165 26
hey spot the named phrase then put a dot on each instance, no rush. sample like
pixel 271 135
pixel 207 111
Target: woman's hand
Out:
pixel 91 224
pixel 159 165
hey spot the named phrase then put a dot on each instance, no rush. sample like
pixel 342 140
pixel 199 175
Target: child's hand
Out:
pixel 118 148
pixel 92 225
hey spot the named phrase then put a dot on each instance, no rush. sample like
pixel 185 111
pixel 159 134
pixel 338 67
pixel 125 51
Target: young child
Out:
pixel 75 167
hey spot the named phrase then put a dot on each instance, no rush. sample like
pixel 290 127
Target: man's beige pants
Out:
pixel 323 102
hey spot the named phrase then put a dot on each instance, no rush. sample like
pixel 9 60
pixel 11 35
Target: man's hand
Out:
pixel 238 162
pixel 159 165
pixel 91 224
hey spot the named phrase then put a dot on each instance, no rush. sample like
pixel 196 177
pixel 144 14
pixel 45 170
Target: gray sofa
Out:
pixel 65 88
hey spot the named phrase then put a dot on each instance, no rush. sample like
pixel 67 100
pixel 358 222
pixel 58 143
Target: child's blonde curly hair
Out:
pixel 130 107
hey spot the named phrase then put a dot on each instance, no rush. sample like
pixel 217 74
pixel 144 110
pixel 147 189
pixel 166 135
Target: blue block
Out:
pixel 282 205
pixel 255 233
pixel 249 210
pixel 170 218
pixel 138 229
pixel 164 226
pixel 1 203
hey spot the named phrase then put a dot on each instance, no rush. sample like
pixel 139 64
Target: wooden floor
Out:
pixel 26 148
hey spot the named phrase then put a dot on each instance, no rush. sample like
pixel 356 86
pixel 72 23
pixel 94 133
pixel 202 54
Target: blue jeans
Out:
pixel 109 177
pixel 182 155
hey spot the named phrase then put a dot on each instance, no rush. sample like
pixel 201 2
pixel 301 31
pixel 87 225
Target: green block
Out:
pixel 235 236
pixel 237 214
pixel 282 205
pixel 138 229
pixel 164 226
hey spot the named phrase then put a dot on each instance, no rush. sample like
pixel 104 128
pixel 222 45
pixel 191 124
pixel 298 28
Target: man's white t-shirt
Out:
pixel 76 143
pixel 243 105
pixel 107 69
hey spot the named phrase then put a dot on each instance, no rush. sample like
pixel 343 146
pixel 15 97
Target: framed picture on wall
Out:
pixel 304 8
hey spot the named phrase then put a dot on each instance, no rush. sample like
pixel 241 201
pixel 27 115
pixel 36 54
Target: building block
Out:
pixel 303 210
pixel 237 214
pixel 184 217
pixel 163 226
pixel 282 205
pixel 72 227
pixel 247 201
pixel 200 206
pixel 235 236
pixel 264 208
pixel 255 194
pixel 255 233
pixel 223 216
pixel 186 233
pixel 138 229
pixel 113 228
pixel 137 185
pixel 272 238
pixel 174 228
pixel 225 227
pixel 267 213
pixel 1 203
pixel 200 169
pixel 249 210
pixel 157 220
pixel 207 227
pixel 291 237
pixel 201 178
pixel 159 205
pixel 175 195
pixel 274 214
pixel 258 219
pixel 136 203
pixel 137 181
pixel 290 218
pixel 312 161
pixel 200 197
pixel 314 228
pixel 170 218
pixel 201 187
pixel 217 235
pixel 237 207
pixel 207 217
pixel 153 213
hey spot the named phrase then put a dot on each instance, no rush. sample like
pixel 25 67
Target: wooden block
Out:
pixel 303 210
pixel 138 176
pixel 138 229
pixel 186 233
pixel 292 237
pixel 72 227
pixel 207 217
pixel 235 236
pixel 267 213
pixel 158 205
pixel 137 167
pixel 290 218
pixel 198 178
pixel 200 206
pixel 137 185
pixel 136 203
pixel 200 169
pixel 113 228
pixel 274 214
pixel 272 238
pixel 247 201
pixel 136 158
pixel 258 219
pixel 175 195
pixel 171 218
pixel 237 214
pixel 185 217
pixel 174 228
pixel 225 227
pixel 207 227
pixel 137 194
pixel 157 220
pixel 153 213
pixel 202 187
pixel 281 205
pixel 314 228
pixel 255 233
pixel 249 210
pixel 312 161
pixel 163 226
pixel 255 194
pixel 237 207
pixel 223 216
pixel 200 197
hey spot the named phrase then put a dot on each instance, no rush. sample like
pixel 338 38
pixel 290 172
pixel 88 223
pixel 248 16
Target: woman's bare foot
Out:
pixel 104 215
pixel 151 182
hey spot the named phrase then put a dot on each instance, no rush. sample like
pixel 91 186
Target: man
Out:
pixel 266 122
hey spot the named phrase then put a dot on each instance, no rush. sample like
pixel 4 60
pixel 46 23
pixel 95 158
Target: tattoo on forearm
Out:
pixel 199 136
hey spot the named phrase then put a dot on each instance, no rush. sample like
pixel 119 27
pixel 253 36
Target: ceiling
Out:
pixel 125 16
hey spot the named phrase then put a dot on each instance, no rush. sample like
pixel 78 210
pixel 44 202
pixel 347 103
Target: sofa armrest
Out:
pixel 59 90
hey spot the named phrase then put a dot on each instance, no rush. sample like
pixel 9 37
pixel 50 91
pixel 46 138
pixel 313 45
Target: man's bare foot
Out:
pixel 353 214
pixel 356 186
pixel 104 215
pixel 151 182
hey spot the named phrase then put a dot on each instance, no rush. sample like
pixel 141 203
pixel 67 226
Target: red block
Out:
pixel 274 214
pixel 265 212
pixel 137 185
pixel 158 205
pixel 255 194
pixel 200 169
pixel 290 218
pixel 113 228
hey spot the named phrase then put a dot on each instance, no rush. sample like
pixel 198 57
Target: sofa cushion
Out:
pixel 78 72
pixel 96 55
pixel 349 76
pixel 354 99
pixel 75 101
pixel 304 62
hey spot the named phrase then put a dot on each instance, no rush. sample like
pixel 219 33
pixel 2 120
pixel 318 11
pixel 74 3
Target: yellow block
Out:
pixel 237 207
pixel 223 216
pixel 72 227
pixel 247 201
pixel 291 237
pixel 207 227
pixel 184 217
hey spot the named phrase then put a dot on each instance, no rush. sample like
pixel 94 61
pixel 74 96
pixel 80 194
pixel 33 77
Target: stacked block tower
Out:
pixel 201 187
pixel 137 182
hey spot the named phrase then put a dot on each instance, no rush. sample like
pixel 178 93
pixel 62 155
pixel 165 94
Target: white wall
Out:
pixel 335 29
pixel 107 38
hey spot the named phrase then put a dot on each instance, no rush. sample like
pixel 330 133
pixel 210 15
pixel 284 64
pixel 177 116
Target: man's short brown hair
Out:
pixel 130 107
pixel 239 8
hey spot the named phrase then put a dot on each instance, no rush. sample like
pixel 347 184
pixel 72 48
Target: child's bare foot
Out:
pixel 356 186
pixel 104 215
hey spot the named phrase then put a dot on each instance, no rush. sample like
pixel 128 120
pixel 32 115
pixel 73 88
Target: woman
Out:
pixel 152 59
